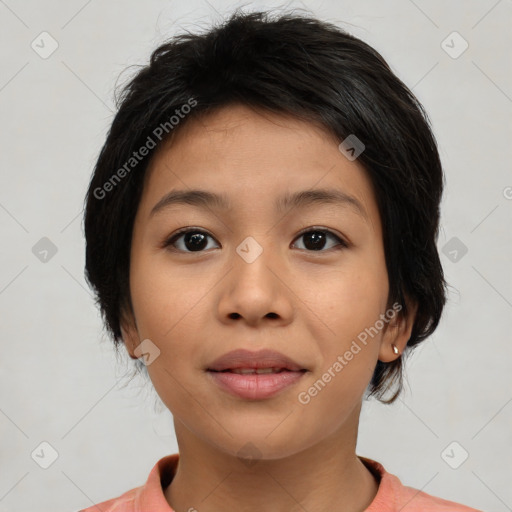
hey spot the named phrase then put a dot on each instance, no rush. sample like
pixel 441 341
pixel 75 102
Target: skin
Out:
pixel 307 304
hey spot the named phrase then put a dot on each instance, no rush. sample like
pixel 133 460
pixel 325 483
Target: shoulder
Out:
pixel 412 500
pixel 123 503
pixel 393 496
pixel 147 497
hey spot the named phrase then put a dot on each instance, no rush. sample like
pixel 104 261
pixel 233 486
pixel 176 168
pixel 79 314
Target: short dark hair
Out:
pixel 293 65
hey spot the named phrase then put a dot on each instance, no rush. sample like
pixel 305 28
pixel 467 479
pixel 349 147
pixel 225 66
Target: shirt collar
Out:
pixel 151 495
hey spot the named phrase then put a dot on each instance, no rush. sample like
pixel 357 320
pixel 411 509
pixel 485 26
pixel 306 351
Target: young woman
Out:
pixel 261 232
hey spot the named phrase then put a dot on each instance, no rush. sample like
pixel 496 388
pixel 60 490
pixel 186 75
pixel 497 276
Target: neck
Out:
pixel 325 476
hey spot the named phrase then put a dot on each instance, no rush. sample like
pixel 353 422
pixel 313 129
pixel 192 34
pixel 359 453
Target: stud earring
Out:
pixel 395 349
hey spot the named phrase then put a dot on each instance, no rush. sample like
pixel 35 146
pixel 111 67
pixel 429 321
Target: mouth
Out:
pixel 254 375
pixel 255 384
pixel 262 361
pixel 256 371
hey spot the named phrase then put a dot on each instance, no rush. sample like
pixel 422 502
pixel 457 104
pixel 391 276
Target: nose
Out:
pixel 257 289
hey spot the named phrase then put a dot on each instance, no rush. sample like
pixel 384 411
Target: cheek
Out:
pixel 350 305
pixel 350 301
pixel 169 308
pixel 161 297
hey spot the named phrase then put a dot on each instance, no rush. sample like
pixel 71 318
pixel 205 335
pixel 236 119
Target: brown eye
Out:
pixel 316 239
pixel 194 240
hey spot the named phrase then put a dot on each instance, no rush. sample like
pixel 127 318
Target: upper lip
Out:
pixel 246 359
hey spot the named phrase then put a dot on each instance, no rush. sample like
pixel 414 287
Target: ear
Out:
pixel 397 332
pixel 130 334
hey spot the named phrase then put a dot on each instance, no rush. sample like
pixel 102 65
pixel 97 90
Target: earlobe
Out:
pixel 391 345
pixel 397 334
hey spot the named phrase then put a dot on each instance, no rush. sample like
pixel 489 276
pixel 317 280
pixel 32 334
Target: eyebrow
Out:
pixel 206 200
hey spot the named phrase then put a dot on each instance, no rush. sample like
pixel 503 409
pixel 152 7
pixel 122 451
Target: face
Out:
pixel 306 279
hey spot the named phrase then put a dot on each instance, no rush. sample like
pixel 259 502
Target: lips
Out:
pixel 246 362
pixel 257 371
pixel 255 375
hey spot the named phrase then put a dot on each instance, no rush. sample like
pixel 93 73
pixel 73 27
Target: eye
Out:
pixel 196 240
pixel 315 239
pixel 193 239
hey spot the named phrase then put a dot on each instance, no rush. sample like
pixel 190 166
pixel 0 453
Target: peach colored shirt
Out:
pixel 391 496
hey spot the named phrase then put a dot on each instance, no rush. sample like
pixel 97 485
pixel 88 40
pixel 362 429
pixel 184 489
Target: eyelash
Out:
pixel 175 236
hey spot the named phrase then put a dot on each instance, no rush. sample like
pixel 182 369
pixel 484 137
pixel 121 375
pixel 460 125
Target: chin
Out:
pixel 252 444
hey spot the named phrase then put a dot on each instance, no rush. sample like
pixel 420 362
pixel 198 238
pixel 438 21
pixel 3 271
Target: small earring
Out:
pixel 395 349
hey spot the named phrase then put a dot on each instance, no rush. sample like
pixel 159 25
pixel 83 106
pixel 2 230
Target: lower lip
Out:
pixel 255 386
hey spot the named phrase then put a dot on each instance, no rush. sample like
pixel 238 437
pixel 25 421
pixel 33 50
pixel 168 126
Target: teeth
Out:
pixel 244 371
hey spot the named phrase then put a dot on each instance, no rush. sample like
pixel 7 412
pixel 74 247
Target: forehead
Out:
pixel 255 160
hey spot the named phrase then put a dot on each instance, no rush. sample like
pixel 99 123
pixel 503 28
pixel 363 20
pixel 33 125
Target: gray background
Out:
pixel 60 380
